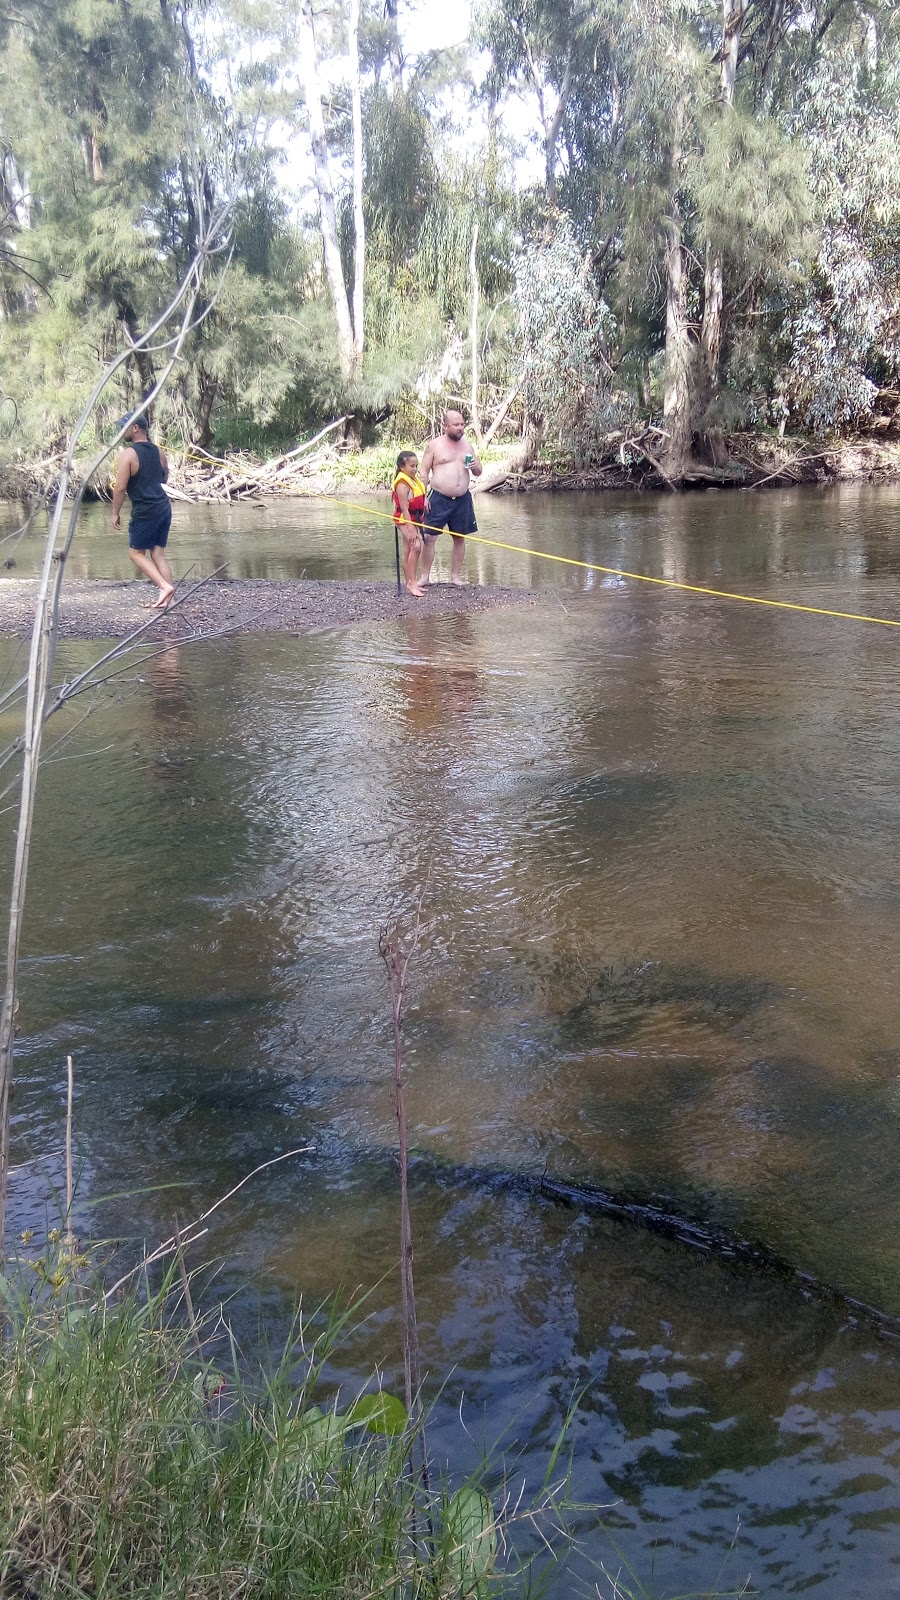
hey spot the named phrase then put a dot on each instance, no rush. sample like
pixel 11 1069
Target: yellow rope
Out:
pixel 639 577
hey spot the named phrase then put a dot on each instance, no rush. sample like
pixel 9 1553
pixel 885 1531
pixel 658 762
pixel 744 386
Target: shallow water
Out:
pixel 658 837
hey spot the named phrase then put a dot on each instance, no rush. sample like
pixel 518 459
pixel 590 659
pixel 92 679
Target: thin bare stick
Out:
pixel 784 469
pixel 175 1242
pixel 14 692
pixel 502 414
pixel 70 1183
pixel 74 685
pixel 396 957
pixel 300 449
pixel 177 642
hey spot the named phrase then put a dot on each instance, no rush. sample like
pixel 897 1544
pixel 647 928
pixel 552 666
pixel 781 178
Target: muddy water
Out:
pixel 659 958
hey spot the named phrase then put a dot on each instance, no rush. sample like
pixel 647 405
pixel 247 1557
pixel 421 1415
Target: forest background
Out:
pixel 592 219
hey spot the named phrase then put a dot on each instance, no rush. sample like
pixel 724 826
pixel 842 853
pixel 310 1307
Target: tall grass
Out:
pixel 130 1464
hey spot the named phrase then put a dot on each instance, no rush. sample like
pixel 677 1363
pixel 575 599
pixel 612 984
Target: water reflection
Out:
pixel 440 682
pixel 170 695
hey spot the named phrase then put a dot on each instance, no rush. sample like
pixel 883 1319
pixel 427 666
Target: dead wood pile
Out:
pixel 197 476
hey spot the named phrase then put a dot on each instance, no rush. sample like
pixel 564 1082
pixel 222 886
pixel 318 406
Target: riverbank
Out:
pixel 631 460
pixel 101 609
pixel 753 461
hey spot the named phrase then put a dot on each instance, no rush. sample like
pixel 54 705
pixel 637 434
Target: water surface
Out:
pixel 657 837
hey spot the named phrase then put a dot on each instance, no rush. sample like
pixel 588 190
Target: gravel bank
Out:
pixel 97 609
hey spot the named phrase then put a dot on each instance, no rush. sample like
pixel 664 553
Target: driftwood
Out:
pixel 198 477
pixel 632 456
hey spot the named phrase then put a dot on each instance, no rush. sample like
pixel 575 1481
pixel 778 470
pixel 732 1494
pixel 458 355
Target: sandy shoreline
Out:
pixel 103 609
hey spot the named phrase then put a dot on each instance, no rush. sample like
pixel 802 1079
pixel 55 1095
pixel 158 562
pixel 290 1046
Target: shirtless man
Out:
pixel 446 466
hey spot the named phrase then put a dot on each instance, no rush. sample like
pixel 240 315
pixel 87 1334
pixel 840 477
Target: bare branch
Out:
pixel 68 690
pixel 215 238
pixel 182 1238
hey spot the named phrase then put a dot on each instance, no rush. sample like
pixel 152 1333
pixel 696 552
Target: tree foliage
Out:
pixel 697 220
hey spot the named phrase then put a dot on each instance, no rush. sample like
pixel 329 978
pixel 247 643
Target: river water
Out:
pixel 656 834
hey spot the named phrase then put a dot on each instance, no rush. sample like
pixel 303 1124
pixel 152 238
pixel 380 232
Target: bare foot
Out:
pixel 413 588
pixel 164 597
pixel 458 583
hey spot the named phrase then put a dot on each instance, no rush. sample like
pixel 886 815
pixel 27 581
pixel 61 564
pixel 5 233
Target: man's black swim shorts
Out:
pixel 455 512
pixel 150 532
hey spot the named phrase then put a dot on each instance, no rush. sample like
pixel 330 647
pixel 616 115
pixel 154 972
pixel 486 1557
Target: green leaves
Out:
pixel 380 1413
pixel 750 184
pixel 470 1531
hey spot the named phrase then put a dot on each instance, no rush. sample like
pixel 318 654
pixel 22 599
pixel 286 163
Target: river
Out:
pixel 657 838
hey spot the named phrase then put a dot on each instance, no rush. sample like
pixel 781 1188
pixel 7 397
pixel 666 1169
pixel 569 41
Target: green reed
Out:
pixel 139 1457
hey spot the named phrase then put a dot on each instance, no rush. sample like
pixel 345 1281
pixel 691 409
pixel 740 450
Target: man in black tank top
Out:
pixel 141 472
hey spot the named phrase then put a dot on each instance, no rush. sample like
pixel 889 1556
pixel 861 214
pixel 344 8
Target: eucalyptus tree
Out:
pixel 565 332
pixel 836 331
pixel 350 340
pixel 533 46
pixel 684 191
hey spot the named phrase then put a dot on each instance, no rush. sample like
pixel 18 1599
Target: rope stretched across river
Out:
pixel 638 577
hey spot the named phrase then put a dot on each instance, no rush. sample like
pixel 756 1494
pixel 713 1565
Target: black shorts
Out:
pixel 455 512
pixel 150 532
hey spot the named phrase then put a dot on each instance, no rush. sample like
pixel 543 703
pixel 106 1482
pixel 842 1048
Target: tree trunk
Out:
pixel 710 350
pixel 552 131
pixel 677 392
pixel 209 388
pixel 359 221
pixel 142 358
pixel 550 125
pixel 325 188
pixel 521 456
pixel 395 53
pixel 473 332
pixel 734 12
pixel 679 353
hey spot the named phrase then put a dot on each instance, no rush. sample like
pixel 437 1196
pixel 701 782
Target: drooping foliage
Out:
pixel 565 333
pixel 841 333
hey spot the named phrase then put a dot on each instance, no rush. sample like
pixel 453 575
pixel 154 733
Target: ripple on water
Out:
pixel 657 838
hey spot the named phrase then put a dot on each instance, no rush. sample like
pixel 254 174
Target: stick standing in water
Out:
pixel 141 472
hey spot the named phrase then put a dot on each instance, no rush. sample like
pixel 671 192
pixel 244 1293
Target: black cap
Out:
pixel 129 418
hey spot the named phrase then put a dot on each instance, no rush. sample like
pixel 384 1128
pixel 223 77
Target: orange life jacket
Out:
pixel 416 498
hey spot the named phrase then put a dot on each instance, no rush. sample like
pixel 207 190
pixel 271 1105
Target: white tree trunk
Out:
pixel 324 186
pixel 679 356
pixel 733 14
pixel 359 221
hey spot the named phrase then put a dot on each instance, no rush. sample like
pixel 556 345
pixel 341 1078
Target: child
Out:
pixel 409 514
